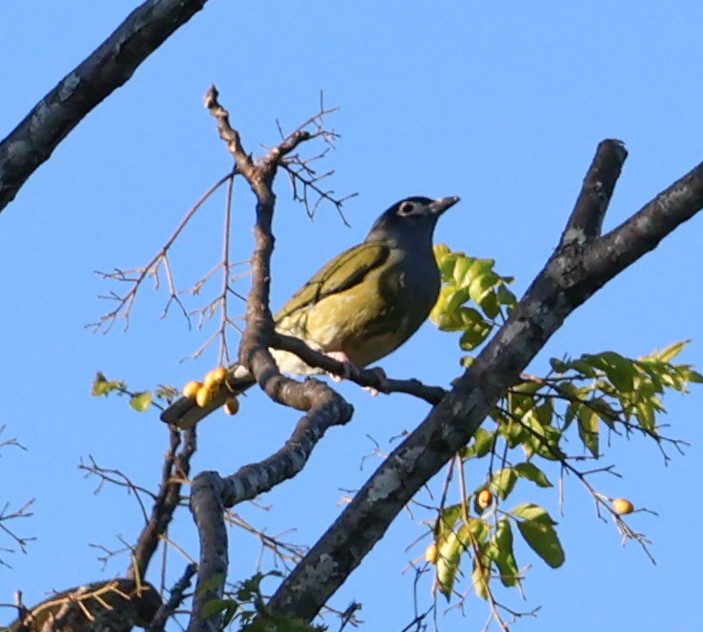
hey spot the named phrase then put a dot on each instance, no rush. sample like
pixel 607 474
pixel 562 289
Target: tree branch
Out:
pixel 32 142
pixel 174 473
pixel 645 229
pixel 587 217
pixel 575 271
pixel 211 493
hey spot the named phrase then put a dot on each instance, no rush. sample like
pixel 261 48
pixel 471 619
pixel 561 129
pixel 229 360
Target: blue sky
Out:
pixel 502 105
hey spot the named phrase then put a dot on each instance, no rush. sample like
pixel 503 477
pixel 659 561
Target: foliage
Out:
pixel 467 279
pixel 244 607
pixel 141 401
pixel 596 393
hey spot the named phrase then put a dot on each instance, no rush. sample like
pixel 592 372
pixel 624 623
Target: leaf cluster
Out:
pixel 486 535
pixel 596 393
pixel 244 607
pixel 141 401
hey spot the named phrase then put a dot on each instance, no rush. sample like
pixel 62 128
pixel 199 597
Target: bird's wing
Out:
pixel 340 274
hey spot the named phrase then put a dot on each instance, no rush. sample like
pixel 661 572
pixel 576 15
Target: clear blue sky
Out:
pixel 502 105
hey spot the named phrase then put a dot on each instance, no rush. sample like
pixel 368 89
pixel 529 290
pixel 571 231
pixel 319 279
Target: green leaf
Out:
pixel 448 557
pixel 141 401
pixel 532 512
pixel 690 375
pixel 441 253
pixel 588 425
pixel 667 354
pixel 250 588
pixel 466 361
pixel 478 528
pixel 215 606
pixel 440 307
pixel 604 411
pixel 457 298
pixel 505 296
pixel 582 367
pixel 542 539
pixel 532 473
pixel 620 370
pixel 570 413
pixel 544 441
pixel 558 366
pixel 445 524
pixel 514 433
pixel 479 579
pixel 519 405
pixel 459 319
pixel 545 413
pixel 500 550
pixel 502 482
pixel 100 385
pixel 526 387
pixel 228 615
pixel 644 412
pixel 461 268
pixel 480 446
pixel 481 286
pixel 474 334
pixel 479 268
pixel 489 305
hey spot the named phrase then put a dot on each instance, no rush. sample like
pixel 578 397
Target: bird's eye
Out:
pixel 405 208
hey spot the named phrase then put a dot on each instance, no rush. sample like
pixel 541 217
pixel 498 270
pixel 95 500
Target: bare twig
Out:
pixel 174 473
pixel 7 515
pixel 137 276
pixel 174 601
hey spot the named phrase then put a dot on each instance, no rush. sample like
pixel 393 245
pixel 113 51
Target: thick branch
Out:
pixel 327 410
pixel 645 229
pixel 587 217
pixel 574 272
pixel 208 513
pixel 111 65
pixel 211 494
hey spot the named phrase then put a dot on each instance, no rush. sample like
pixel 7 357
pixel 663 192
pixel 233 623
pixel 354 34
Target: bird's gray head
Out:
pixel 412 219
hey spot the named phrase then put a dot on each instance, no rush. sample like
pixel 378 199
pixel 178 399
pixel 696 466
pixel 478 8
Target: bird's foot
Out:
pixel 348 367
pixel 382 381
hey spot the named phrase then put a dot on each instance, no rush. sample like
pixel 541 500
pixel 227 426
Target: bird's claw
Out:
pixel 348 368
pixel 382 381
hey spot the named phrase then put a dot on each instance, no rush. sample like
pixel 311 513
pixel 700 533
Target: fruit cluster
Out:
pixel 204 392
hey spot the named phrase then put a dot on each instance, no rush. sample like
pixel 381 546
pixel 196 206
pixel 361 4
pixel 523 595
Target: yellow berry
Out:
pixel 431 553
pixel 622 506
pixel 484 499
pixel 231 406
pixel 191 389
pixel 204 396
pixel 216 376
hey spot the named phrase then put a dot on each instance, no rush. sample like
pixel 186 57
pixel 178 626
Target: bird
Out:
pixel 359 307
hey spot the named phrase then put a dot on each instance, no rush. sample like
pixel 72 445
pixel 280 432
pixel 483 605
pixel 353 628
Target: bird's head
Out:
pixel 412 219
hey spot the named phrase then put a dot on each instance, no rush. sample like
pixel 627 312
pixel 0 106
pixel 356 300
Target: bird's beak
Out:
pixel 438 206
